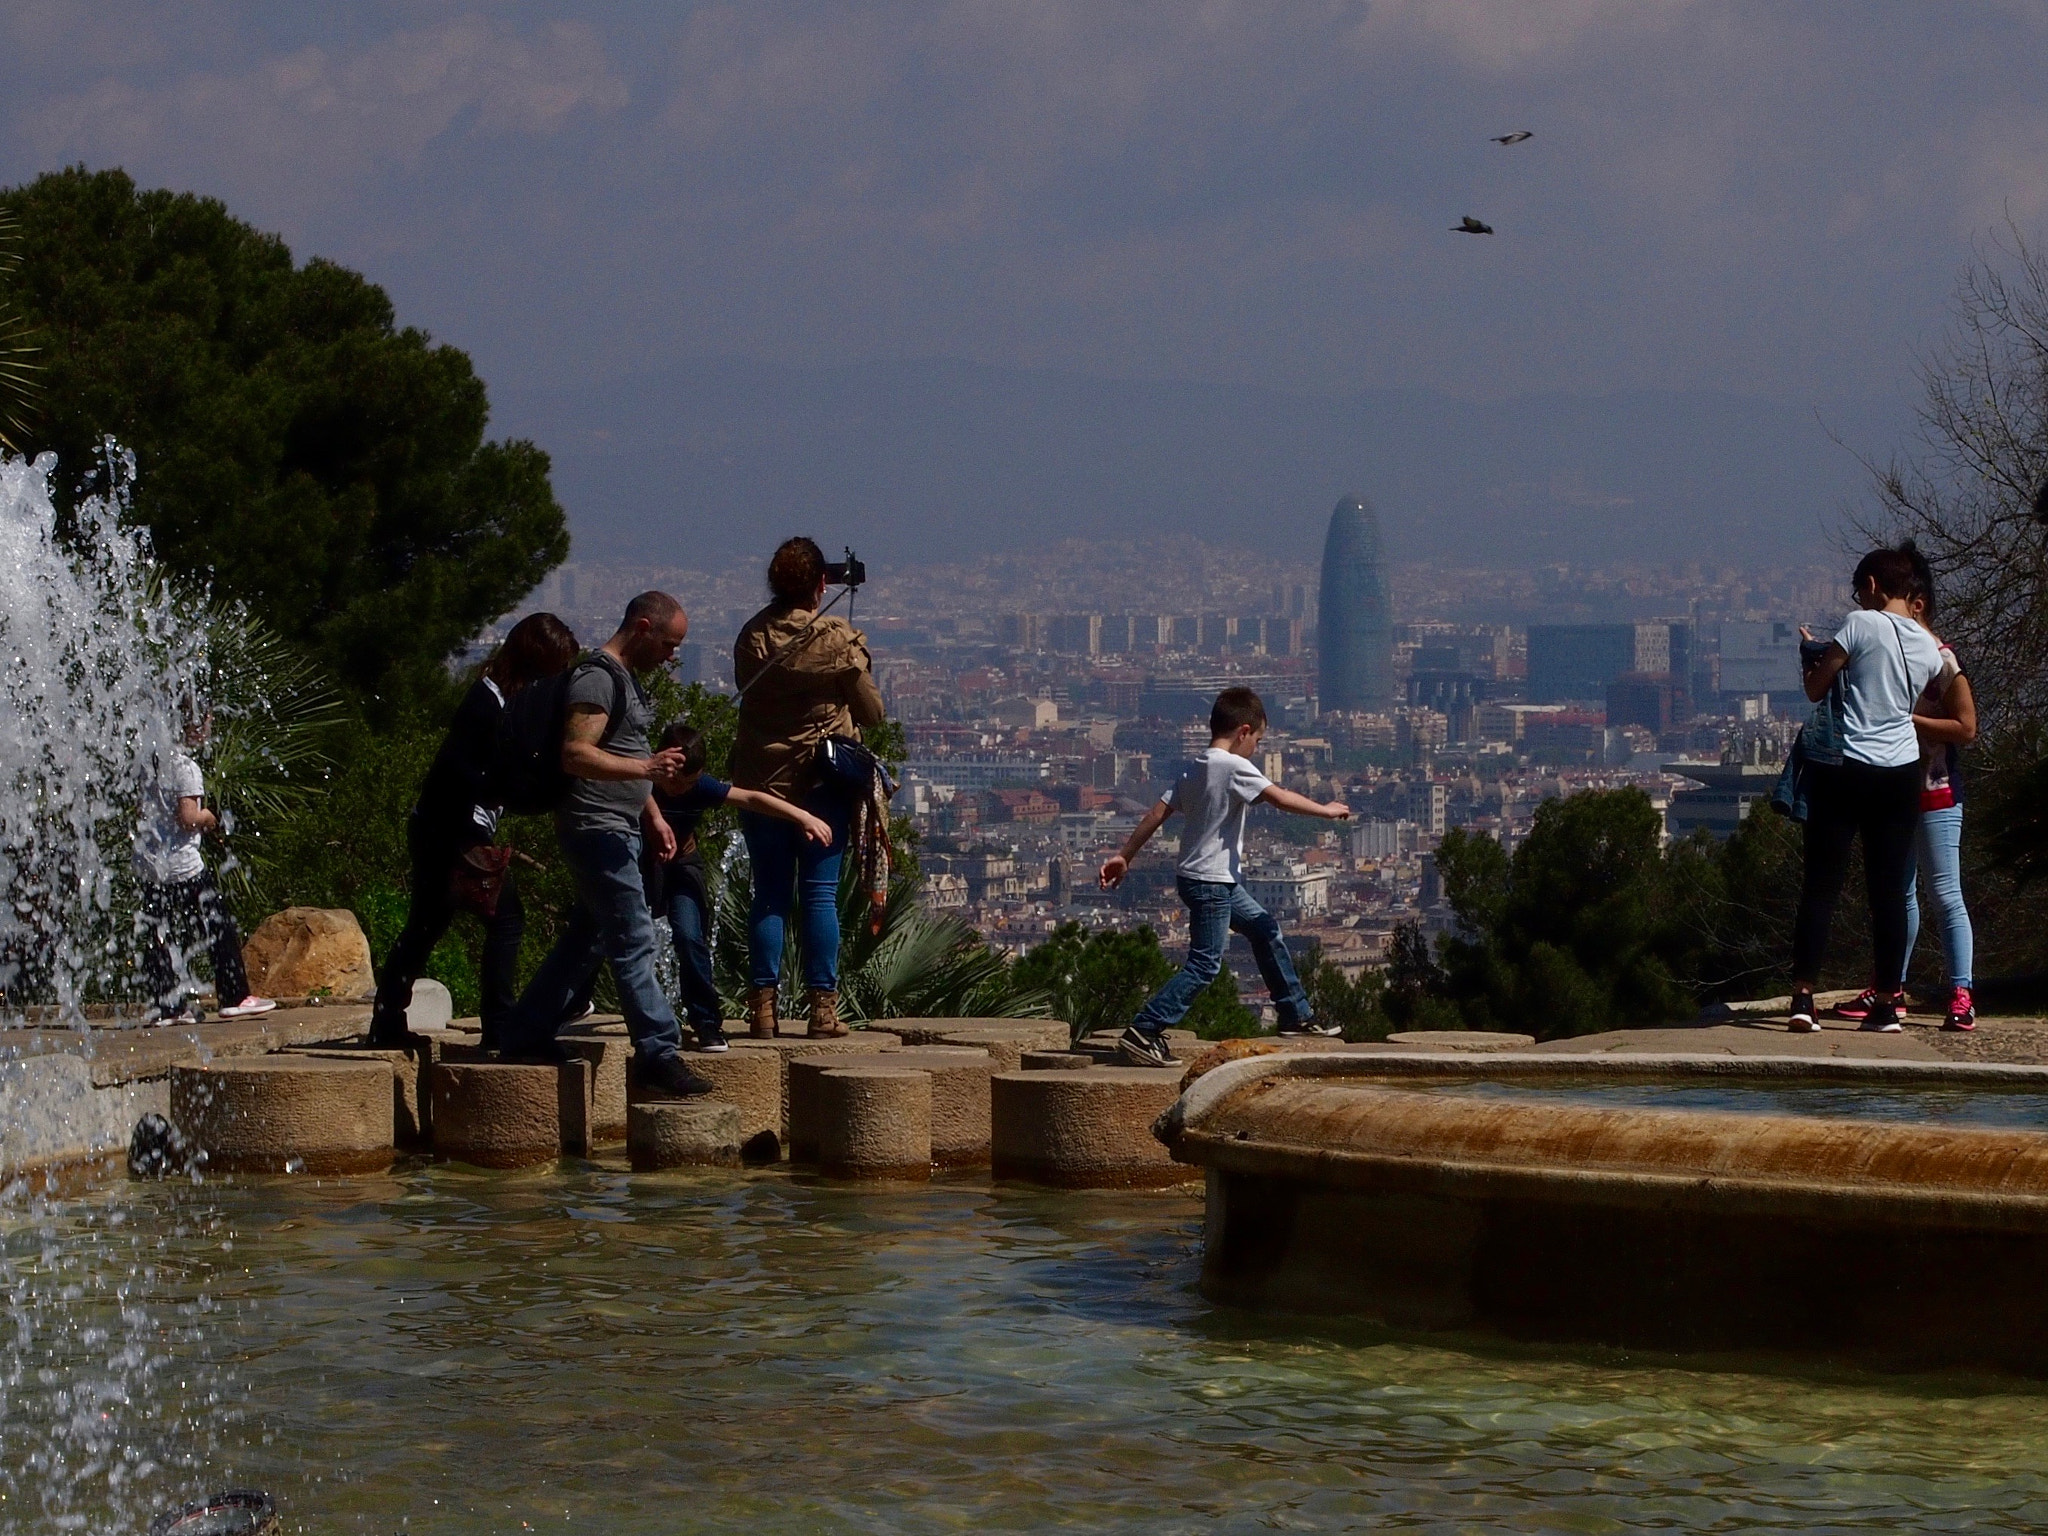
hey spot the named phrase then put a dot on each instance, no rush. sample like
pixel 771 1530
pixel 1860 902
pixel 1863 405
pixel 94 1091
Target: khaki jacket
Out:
pixel 823 687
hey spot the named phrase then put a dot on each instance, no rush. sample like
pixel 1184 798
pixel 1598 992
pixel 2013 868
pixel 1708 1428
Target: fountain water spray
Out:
pixel 97 653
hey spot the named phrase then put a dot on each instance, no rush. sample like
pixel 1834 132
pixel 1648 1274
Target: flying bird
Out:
pixel 1471 226
pixel 1516 137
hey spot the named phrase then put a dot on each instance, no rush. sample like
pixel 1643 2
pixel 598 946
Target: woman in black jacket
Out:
pixel 457 811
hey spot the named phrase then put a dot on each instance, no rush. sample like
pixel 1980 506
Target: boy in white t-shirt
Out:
pixel 178 894
pixel 1213 793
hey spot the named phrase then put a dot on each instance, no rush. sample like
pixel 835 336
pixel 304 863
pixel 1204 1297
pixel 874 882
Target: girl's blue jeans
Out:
pixel 786 862
pixel 1940 846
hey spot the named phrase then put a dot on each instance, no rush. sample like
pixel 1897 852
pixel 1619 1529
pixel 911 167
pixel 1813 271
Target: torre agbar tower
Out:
pixel 1355 633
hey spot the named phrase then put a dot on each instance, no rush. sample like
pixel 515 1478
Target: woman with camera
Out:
pixel 803 676
pixel 451 832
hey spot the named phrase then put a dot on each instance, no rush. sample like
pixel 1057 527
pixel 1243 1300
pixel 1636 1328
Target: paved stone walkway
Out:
pixel 2016 1040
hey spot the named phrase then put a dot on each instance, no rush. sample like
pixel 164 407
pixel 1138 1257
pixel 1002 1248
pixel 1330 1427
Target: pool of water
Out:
pixel 444 1351
pixel 2012 1109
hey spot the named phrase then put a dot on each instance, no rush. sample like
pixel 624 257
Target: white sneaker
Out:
pixel 248 1007
pixel 1805 1018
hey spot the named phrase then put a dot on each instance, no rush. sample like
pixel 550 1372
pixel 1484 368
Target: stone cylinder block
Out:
pixel 750 1081
pixel 1083 1130
pixel 607 1054
pixel 1059 1061
pixel 1007 1043
pixel 411 1109
pixel 683 1134
pixel 287 1114
pixel 497 1114
pixel 960 1126
pixel 875 1122
pixel 1030 1034
pixel 785 1047
pixel 1185 1044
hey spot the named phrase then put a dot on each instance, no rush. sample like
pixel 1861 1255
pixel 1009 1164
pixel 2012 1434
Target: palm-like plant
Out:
pixel 273 707
pixel 916 965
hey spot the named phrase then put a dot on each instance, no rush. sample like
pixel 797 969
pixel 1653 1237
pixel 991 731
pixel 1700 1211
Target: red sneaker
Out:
pixel 1962 1010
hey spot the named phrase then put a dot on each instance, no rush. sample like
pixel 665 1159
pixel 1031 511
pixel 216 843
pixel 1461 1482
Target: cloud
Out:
pixel 323 115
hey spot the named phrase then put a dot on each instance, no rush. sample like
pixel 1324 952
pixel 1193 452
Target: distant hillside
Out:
pixel 908 461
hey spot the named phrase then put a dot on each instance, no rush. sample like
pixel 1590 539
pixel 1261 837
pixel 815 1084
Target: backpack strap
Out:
pixel 621 679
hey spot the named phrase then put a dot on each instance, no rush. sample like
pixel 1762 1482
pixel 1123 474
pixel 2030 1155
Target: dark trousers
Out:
pixel 178 913
pixel 428 914
pixel 1882 805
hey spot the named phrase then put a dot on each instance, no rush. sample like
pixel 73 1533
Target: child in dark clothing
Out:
pixel 677 889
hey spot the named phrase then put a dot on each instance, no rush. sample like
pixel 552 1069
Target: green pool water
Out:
pixel 446 1351
pixel 2009 1109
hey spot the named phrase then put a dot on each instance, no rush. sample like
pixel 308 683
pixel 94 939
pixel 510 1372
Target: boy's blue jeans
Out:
pixel 785 860
pixel 1214 909
pixel 609 922
pixel 689 925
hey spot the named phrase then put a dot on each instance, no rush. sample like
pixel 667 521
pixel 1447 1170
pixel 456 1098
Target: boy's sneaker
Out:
pixel 1141 1049
pixel 1310 1027
pixel 1803 1020
pixel 1962 1010
pixel 665 1077
pixel 1883 1018
pixel 711 1039
pixel 1857 1009
pixel 248 1007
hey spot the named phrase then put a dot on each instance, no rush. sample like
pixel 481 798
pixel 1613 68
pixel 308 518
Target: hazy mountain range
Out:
pixel 924 461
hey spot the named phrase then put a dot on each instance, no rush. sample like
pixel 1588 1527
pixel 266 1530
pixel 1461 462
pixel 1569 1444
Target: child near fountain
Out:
pixel 179 898
pixel 1213 793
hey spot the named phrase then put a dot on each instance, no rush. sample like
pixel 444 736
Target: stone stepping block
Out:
pixel 875 1122
pixel 1030 1034
pixel 411 1108
pixel 1082 1130
pixel 1060 1061
pixel 607 1054
pixel 287 1114
pixel 783 1047
pixel 752 1082
pixel 1006 1044
pixel 959 1094
pixel 497 1114
pixel 688 1133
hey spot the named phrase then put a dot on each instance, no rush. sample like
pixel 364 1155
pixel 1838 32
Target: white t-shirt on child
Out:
pixel 1213 793
pixel 164 851
pixel 1890 661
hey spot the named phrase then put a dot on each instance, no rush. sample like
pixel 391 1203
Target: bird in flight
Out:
pixel 1471 226
pixel 1516 137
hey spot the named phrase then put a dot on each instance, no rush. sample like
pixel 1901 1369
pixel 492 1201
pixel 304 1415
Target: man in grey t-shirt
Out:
pixel 601 822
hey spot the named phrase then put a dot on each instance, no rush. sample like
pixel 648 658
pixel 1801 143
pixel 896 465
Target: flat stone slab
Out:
pixel 1060 1061
pixel 694 1133
pixel 1030 1034
pixel 1080 1130
pixel 875 1123
pixel 288 1114
pixel 52 1117
pixel 137 1054
pixel 495 1114
pixel 1459 1040
pixel 1006 1043
pixel 1835 1037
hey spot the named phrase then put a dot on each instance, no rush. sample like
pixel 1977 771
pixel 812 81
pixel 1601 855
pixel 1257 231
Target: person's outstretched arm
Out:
pixel 583 758
pixel 766 804
pixel 1119 865
pixel 1300 805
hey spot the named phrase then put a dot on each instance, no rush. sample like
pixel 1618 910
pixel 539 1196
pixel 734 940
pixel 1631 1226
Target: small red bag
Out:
pixel 478 879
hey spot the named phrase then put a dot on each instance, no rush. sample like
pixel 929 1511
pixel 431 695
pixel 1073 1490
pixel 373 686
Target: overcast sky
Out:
pixel 1764 199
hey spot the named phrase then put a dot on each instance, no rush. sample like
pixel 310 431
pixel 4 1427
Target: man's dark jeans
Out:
pixel 610 923
pixel 1214 909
